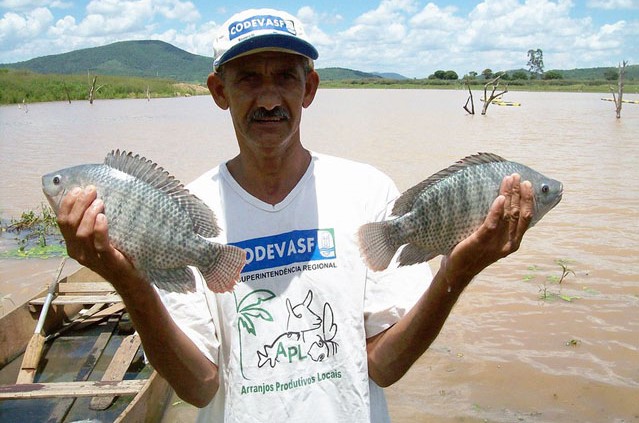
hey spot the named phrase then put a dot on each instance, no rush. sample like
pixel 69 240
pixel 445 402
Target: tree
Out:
pixel 618 98
pixel 489 99
pixel 536 61
pixel 519 75
pixel 439 74
pixel 442 74
pixel 487 73
pixel 611 75
pixel 553 75
pixel 451 75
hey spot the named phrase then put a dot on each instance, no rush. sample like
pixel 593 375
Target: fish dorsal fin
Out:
pixel 204 221
pixel 405 202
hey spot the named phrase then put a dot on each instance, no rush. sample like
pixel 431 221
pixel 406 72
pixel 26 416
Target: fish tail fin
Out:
pixel 376 245
pixel 222 273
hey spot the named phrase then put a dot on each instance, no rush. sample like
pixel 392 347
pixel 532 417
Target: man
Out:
pixel 310 333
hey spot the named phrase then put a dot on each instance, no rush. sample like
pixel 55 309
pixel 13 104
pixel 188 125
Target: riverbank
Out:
pixel 24 87
pixel 576 86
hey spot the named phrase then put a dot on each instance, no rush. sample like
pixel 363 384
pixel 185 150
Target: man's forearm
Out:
pixel 394 351
pixel 193 377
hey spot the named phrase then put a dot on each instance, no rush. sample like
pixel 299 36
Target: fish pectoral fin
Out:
pixel 412 254
pixel 173 280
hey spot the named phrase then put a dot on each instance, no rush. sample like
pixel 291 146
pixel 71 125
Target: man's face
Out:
pixel 265 93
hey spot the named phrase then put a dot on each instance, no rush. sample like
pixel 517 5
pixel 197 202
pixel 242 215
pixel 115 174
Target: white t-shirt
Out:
pixel 290 340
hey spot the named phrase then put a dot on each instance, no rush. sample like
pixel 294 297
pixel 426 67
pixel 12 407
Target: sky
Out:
pixel 411 37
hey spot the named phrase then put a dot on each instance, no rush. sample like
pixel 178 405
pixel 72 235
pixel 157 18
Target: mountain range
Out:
pixel 153 58
pixel 150 58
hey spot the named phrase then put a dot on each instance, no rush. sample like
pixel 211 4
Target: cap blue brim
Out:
pixel 264 42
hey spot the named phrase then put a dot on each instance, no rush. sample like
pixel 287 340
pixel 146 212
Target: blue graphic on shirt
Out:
pixel 300 246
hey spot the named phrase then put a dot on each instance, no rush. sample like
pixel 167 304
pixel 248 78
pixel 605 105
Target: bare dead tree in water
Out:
pixel 66 91
pixel 618 98
pixel 493 95
pixel 93 90
pixel 469 100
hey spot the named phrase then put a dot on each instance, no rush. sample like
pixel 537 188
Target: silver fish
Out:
pixel 438 213
pixel 154 221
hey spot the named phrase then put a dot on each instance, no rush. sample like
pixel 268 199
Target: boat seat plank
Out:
pixel 117 368
pixel 71 389
pixel 85 287
pixel 79 299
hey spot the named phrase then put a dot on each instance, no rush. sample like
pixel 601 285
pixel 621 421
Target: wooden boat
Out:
pixel 91 368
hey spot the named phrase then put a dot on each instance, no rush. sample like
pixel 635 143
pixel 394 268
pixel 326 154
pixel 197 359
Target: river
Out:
pixel 505 354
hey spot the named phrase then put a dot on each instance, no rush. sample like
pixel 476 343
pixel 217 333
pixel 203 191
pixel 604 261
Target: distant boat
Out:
pixel 500 102
pixel 623 101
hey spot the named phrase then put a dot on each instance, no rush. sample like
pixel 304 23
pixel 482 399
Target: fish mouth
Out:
pixel 55 201
pixel 560 195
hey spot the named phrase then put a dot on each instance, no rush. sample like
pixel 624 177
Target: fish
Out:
pixel 433 216
pixel 155 221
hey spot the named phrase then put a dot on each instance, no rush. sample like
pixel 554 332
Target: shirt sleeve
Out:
pixel 193 313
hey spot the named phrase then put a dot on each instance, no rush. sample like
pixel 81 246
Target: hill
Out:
pixel 147 58
pixel 632 73
pixel 339 74
pixel 157 59
pixel 390 75
pixel 151 58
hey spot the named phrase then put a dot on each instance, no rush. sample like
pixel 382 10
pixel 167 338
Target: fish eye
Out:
pixel 57 179
pixel 545 188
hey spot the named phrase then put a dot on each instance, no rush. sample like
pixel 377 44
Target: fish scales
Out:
pixel 154 220
pixel 438 213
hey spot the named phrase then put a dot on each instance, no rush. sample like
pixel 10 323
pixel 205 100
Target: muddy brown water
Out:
pixel 505 354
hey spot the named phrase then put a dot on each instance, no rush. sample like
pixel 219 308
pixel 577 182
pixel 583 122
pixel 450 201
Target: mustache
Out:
pixel 277 112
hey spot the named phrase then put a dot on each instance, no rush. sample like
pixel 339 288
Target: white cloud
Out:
pixel 434 17
pixel 613 4
pixel 25 5
pixel 105 21
pixel 184 11
pixel 413 37
pixel 15 28
pixel 194 39
pixel 496 34
pixel 312 22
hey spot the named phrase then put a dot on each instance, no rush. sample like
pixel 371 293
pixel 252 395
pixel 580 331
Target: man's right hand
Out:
pixel 84 227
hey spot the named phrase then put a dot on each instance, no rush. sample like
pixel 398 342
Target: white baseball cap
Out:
pixel 255 30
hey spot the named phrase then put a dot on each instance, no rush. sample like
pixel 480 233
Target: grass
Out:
pixel 592 86
pixel 19 86
pixel 35 233
pixel 552 284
